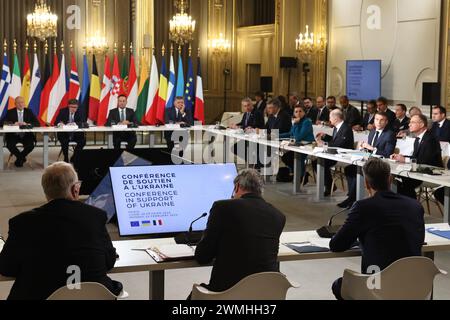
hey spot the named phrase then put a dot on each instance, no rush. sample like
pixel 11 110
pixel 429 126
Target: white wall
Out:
pixel 404 34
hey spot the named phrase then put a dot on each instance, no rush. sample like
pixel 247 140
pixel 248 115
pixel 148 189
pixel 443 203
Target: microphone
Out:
pixel 220 127
pixel 191 237
pixel 329 231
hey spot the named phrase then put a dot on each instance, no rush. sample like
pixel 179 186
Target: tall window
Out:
pixel 255 12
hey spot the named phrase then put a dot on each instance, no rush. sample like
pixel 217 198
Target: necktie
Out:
pixel 122 116
pixel 416 147
pixel 247 118
pixel 71 120
pixel 20 117
pixel 377 136
pixel 335 131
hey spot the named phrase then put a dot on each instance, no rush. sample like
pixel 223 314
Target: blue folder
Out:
pixel 439 233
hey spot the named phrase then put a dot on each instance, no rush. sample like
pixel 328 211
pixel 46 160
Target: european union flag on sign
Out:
pixel 189 94
pixel 135 224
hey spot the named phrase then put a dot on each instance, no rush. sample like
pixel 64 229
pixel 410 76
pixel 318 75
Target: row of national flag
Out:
pixel 150 96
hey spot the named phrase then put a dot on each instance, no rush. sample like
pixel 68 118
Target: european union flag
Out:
pixel 189 94
pixel 135 224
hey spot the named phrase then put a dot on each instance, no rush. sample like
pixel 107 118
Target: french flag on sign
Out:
pixel 157 222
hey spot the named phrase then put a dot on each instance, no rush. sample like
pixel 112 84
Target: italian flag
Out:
pixel 16 84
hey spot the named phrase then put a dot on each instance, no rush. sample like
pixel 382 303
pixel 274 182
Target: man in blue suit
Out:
pixel 178 114
pixel 441 126
pixel 388 226
pixel 382 142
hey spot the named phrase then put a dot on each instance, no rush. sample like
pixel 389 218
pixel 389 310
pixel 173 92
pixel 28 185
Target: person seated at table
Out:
pixel 71 116
pixel 242 236
pixel 252 118
pixel 323 113
pixel 441 126
pixel 382 105
pixel 178 115
pixel 331 103
pixel 342 137
pixel 369 117
pixel 278 119
pixel 427 151
pixel 302 131
pixel 123 116
pixel 20 116
pixel 388 226
pixel 381 142
pixel 294 101
pixel 401 123
pixel 413 111
pixel 261 102
pixel 59 243
pixel 311 111
pixel 351 115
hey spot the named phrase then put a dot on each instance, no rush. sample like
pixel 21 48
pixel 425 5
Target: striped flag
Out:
pixel 48 84
pixel 189 93
pixel 103 110
pixel 143 92
pixel 199 114
pixel 74 87
pixel 58 95
pixel 16 84
pixel 171 88
pixel 116 86
pixel 152 98
pixel 86 87
pixel 35 88
pixel 95 92
pixel 132 86
pixel 180 78
pixel 162 95
pixel 26 83
pixel 4 86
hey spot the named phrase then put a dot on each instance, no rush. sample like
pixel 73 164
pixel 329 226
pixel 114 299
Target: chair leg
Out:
pixel 427 199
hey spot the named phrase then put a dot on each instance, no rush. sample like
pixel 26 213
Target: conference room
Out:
pixel 224 150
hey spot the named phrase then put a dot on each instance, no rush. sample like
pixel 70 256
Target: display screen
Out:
pixel 363 80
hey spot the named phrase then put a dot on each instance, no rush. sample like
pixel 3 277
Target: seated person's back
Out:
pixel 242 235
pixel 62 243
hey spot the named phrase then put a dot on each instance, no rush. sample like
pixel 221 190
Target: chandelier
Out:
pixel 220 47
pixel 308 45
pixel 96 44
pixel 182 27
pixel 42 23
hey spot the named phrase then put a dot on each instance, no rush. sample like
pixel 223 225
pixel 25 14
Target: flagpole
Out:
pixel 35 47
pixel 15 46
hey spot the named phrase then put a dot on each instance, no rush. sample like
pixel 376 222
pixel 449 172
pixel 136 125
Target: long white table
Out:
pixel 132 260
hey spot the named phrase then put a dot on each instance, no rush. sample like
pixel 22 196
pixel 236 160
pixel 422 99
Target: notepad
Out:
pixel 167 253
pixel 440 233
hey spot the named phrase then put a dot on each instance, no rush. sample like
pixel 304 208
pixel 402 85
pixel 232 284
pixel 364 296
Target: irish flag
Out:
pixel 143 92
pixel 162 96
pixel 152 98
pixel 16 84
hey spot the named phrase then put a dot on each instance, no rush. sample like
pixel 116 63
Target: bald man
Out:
pixel 20 116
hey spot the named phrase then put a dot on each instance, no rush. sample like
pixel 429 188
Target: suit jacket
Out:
pixel 312 114
pixel 114 117
pixel 28 117
pixel 386 142
pixel 43 243
pixel 392 118
pixel 368 120
pixel 324 116
pixel 261 106
pixel 171 116
pixel 64 115
pixel 282 122
pixel 344 138
pixel 255 120
pixel 389 227
pixel 401 126
pixel 242 238
pixel 429 152
pixel 442 134
pixel 352 116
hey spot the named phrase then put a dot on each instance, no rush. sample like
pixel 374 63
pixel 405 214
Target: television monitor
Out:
pixel 162 201
pixel 363 79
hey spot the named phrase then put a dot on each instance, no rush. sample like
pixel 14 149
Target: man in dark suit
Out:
pixel 331 103
pixel 71 116
pixel 261 102
pixel 242 236
pixel 401 123
pixel 177 115
pixel 311 111
pixel 62 243
pixel 252 119
pixel 323 113
pixel 388 226
pixel 369 117
pixel 20 116
pixel 427 151
pixel 351 115
pixel 278 119
pixel 382 142
pixel 125 116
pixel 441 126
pixel 342 138
pixel 382 105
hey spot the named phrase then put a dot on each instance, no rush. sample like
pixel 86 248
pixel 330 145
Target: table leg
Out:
pixel 297 174
pixel 2 160
pixel 360 187
pixel 45 150
pixel 156 285
pixel 110 140
pixel 447 205
pixel 320 179
pixel 152 140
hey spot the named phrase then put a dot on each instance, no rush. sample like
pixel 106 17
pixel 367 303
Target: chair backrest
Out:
pixel 87 291
pixel 260 286
pixel 406 279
